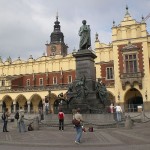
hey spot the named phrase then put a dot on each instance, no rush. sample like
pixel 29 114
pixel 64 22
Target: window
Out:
pixel 3 82
pixel 69 79
pixel 109 73
pixel 28 82
pixel 41 81
pixel 54 80
pixel 131 63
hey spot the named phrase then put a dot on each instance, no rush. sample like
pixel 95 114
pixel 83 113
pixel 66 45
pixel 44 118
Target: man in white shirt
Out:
pixel 78 117
pixel 118 112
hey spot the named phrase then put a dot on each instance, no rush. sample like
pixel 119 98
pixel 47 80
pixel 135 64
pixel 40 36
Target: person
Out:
pixel 84 33
pixel 5 120
pixel 118 112
pixel 111 108
pixel 61 116
pixel 21 123
pixel 46 107
pixel 78 128
pixel 17 115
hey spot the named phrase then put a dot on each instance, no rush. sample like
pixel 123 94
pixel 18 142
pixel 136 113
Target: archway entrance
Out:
pixel 133 101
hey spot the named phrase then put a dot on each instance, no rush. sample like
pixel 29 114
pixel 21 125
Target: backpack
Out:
pixel 61 115
pixel 3 116
pixel 17 115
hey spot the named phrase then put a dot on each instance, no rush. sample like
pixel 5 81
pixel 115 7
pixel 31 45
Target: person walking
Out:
pixel 118 112
pixel 21 123
pixel 78 128
pixel 61 116
pixel 6 114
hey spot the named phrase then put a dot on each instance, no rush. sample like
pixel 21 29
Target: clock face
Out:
pixel 53 48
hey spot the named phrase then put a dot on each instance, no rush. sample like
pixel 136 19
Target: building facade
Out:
pixel 123 65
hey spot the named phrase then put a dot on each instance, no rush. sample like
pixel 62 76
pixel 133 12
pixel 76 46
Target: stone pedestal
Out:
pixel 85 66
pixel 128 123
pixel 36 123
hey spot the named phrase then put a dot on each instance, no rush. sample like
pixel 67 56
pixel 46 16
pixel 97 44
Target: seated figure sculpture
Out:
pixel 101 91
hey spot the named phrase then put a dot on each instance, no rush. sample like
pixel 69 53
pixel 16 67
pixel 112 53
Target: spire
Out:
pixel 113 23
pixel 127 16
pixel 96 37
pixel 57 26
pixel 57 36
pixel 127 13
pixel 57 16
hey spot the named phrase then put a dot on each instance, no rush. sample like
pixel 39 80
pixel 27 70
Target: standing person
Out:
pixel 84 33
pixel 6 114
pixel 21 123
pixel 78 128
pixel 111 108
pixel 61 116
pixel 118 112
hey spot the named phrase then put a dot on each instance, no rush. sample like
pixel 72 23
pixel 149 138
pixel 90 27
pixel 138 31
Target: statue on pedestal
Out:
pixel 85 38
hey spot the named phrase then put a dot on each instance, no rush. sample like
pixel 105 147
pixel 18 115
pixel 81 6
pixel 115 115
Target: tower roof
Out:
pixel 57 35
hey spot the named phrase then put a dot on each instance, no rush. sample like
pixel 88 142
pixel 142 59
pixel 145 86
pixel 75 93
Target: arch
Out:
pixel 21 101
pixel 133 99
pixel 60 104
pixel 51 99
pixel 35 100
pixel 7 102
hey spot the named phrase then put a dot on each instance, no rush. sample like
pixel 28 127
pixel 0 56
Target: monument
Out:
pixel 85 92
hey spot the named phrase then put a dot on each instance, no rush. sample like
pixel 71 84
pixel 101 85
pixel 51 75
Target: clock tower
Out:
pixel 56 45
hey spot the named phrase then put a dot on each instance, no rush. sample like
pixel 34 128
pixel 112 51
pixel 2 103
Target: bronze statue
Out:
pixel 82 90
pixel 101 91
pixel 85 39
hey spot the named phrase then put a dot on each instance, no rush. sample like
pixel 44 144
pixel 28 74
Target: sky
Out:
pixel 26 25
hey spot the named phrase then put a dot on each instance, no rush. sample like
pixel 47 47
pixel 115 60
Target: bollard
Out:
pixel 142 116
pixel 36 123
pixel 128 122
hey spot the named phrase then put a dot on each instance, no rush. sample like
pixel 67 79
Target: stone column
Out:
pixel 14 106
pixel 28 102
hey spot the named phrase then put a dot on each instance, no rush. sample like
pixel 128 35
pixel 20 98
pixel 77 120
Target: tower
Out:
pixel 56 45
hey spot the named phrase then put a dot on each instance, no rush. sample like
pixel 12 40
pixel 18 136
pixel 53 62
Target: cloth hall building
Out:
pixel 123 65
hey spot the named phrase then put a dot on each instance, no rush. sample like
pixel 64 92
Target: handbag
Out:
pixel 76 122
